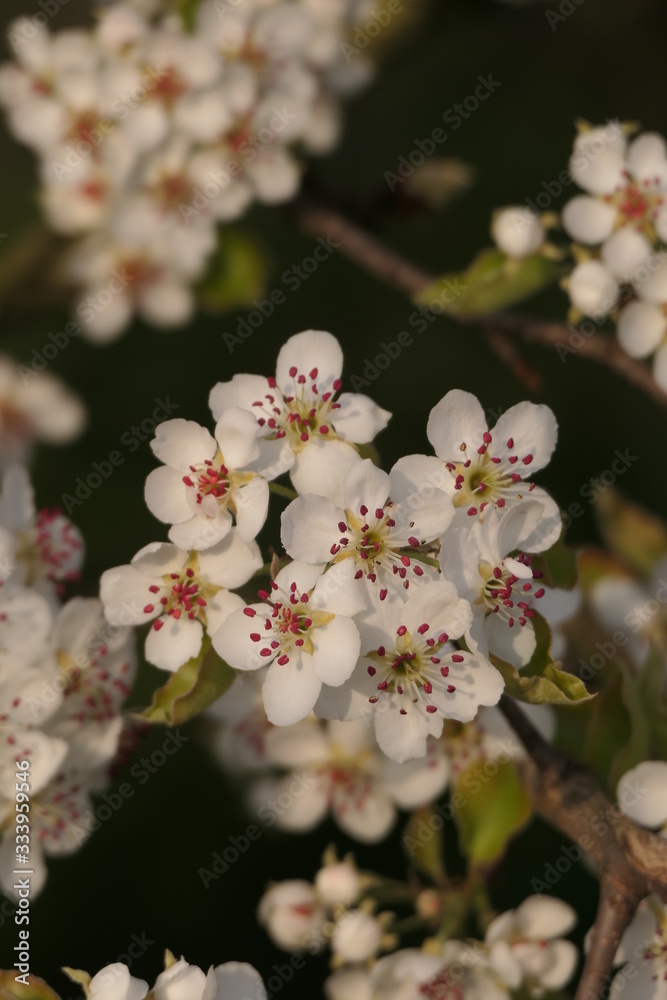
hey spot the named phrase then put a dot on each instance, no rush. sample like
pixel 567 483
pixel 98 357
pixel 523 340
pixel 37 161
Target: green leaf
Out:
pixel 194 686
pixel 36 989
pixel 491 283
pixel 423 844
pixel 495 808
pixel 558 566
pixel 634 534
pixel 541 681
pixel 236 274
pixel 617 738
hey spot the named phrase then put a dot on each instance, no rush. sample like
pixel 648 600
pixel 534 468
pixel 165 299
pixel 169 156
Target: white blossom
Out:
pixel 182 593
pixel 479 467
pixel 301 407
pixel 303 631
pixel 373 535
pixel 410 678
pixel 527 947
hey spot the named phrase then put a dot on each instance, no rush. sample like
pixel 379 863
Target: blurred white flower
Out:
pixel 34 407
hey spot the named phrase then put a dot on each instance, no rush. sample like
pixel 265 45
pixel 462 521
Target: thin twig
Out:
pixel 362 248
pixel 506 350
pixel 391 268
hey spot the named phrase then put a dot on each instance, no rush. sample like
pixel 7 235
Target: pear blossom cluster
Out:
pixel 334 910
pixel 34 407
pixel 523 949
pixel 151 133
pixel 395 588
pixel 64 675
pixel 229 981
pixel 619 228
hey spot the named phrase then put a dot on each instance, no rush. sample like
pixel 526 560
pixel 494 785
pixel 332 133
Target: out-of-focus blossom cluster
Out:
pixel 64 675
pixel 150 133
pixel 523 950
pixel 295 776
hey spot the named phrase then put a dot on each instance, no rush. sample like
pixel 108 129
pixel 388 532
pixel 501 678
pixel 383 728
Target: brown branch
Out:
pixel 391 268
pixel 631 861
pixel 614 914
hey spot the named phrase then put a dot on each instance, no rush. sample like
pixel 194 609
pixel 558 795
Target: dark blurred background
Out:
pixel 138 874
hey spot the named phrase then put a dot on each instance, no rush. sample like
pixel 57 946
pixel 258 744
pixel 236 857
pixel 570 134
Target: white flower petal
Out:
pixel 321 468
pixel 175 643
pixel 309 527
pixel 642 793
pixel 242 390
pixel 516 645
pixel 544 917
pixel 201 532
pixel 336 648
pixel 625 253
pixel 290 689
pixel 308 801
pixel 647 157
pixel 165 495
pixel 416 783
pixel 239 981
pixel 641 328
pixel 588 220
pixel 231 562
pixel 181 443
pixel 312 350
pixel 458 418
pixel 114 982
pixel 236 433
pixel 252 506
pixel 359 419
pixel 365 485
pixel 403 737
pixel 534 431
pixel 297 746
pixel 592 288
pixel 232 640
